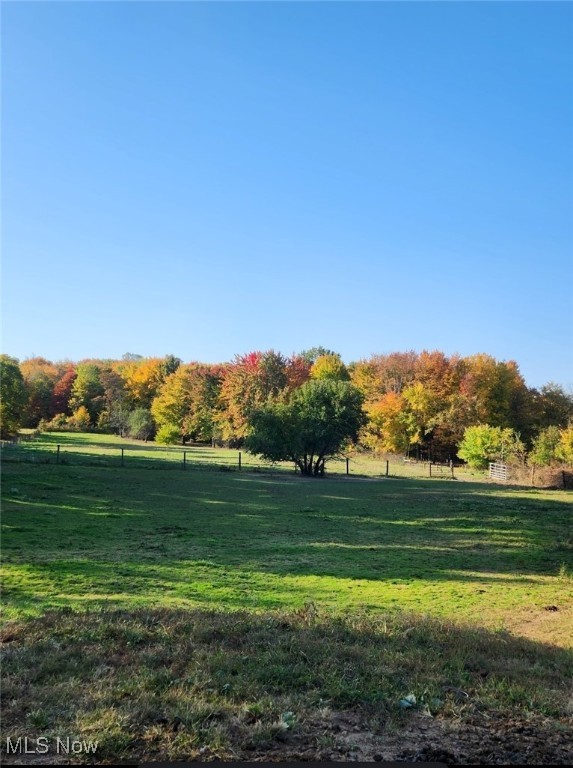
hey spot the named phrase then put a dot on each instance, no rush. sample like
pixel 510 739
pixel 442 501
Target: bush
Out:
pixel 482 444
pixel 80 421
pixel 140 424
pixel 168 434
pixel 543 452
pixel 59 423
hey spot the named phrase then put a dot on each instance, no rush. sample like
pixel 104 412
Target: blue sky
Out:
pixel 206 179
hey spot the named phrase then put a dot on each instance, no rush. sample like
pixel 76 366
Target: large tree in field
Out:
pixel 310 427
pixel 13 396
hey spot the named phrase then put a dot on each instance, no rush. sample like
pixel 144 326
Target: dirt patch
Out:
pixel 346 737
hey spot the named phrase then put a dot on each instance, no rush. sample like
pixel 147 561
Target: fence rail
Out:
pixel 442 470
pixel 60 451
pixel 498 471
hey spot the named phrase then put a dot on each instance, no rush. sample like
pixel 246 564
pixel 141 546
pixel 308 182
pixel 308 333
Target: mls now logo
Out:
pixel 40 746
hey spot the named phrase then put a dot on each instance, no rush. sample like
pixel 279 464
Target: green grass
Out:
pixel 193 685
pixel 199 614
pixel 82 536
pixel 89 449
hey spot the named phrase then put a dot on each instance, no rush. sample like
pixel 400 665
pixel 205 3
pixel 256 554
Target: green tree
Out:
pixel 310 427
pixel 553 406
pixel 545 446
pixel 117 406
pixel 88 391
pixel 169 365
pixel 483 443
pixel 13 396
pixel 311 355
pixel 140 424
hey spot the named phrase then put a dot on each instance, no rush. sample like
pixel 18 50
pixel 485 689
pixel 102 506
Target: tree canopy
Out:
pixel 415 402
pixel 310 427
pixel 13 396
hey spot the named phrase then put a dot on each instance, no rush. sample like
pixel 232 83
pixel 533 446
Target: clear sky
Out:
pixel 205 179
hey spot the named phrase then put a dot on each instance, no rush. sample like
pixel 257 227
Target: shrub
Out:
pixel 59 423
pixel 482 444
pixel 80 420
pixel 140 424
pixel 543 452
pixel 168 434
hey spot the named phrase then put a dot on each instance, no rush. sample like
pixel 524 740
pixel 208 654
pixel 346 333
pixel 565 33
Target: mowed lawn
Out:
pixel 207 614
pixel 84 537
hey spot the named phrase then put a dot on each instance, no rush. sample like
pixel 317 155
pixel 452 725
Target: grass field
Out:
pixel 99 450
pixel 207 614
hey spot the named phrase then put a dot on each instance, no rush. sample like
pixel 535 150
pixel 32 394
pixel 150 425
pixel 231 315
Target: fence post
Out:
pixel 122 457
pixel 347 465
pixel 430 469
pixel 239 459
pixel 387 463
pixel 452 468
pixel 57 454
pixel 184 458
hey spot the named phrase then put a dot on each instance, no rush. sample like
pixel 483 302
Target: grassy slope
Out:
pixel 156 679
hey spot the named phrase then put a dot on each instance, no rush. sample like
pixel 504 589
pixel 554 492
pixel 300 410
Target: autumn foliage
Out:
pixel 419 404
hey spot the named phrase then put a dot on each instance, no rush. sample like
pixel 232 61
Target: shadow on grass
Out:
pixel 175 684
pixel 390 530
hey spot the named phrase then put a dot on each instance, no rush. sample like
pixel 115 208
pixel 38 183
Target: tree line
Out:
pixel 427 404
